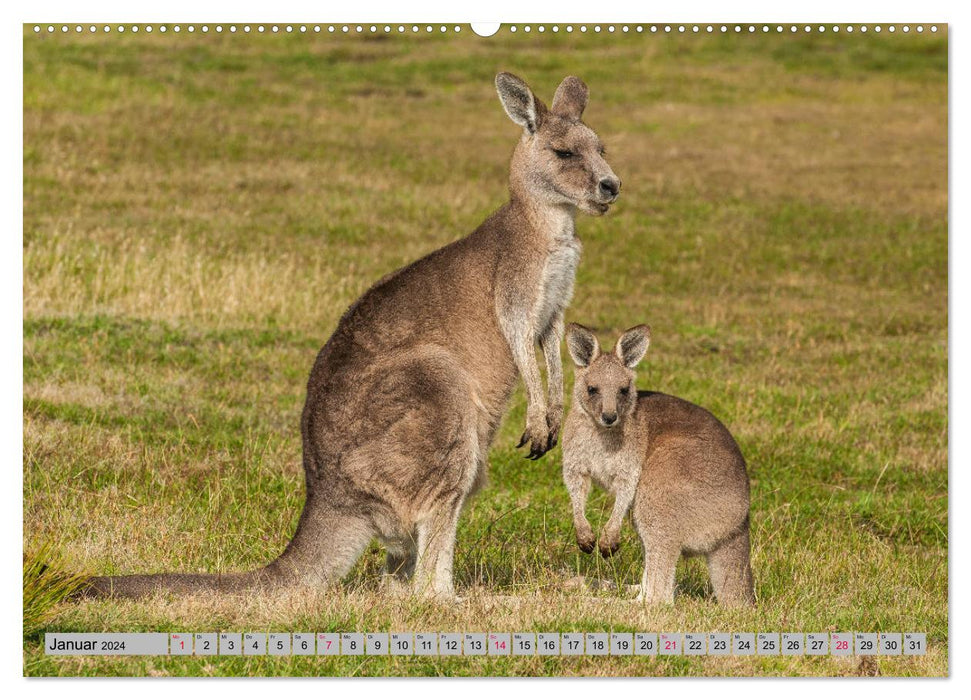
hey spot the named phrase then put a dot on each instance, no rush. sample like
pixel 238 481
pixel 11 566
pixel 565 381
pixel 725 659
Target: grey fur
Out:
pixel 404 399
pixel 668 462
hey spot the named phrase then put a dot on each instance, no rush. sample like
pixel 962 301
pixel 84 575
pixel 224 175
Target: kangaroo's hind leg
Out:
pixel 436 551
pixel 400 562
pixel 459 461
pixel 425 460
pixel 730 569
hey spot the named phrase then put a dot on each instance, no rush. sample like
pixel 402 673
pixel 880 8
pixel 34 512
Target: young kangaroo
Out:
pixel 670 462
pixel 404 399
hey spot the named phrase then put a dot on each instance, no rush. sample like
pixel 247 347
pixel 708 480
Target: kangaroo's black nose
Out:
pixel 610 187
pixel 609 418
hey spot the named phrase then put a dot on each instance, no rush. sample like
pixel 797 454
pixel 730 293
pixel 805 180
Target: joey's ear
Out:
pixel 519 102
pixel 570 99
pixel 582 344
pixel 632 345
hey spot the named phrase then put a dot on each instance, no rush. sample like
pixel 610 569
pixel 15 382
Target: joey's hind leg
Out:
pixel 731 571
pixel 436 550
pixel 657 582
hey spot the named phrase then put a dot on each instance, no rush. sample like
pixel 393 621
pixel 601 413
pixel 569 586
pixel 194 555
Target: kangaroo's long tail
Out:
pixel 325 546
pixel 142 585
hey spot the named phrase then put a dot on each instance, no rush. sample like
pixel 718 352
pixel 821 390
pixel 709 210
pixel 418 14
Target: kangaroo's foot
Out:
pixel 394 587
pixel 646 595
pixel 437 592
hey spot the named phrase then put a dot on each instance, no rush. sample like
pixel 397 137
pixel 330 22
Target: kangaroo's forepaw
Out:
pixel 540 434
pixel 551 439
pixel 539 443
pixel 553 431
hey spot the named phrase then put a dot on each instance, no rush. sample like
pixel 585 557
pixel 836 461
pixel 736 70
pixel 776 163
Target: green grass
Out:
pixel 199 211
pixel 45 585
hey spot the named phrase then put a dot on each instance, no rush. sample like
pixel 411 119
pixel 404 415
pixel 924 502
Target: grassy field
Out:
pixel 200 209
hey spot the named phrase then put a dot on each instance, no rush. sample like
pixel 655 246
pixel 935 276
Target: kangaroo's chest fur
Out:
pixel 559 272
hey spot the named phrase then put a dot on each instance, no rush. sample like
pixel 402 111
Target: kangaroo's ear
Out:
pixel 632 345
pixel 519 102
pixel 582 344
pixel 570 99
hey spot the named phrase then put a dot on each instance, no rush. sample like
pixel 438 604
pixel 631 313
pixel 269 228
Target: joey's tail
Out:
pixel 325 546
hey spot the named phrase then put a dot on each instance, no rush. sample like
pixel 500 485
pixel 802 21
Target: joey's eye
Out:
pixel 563 154
pixel 625 391
pixel 603 151
pixel 592 390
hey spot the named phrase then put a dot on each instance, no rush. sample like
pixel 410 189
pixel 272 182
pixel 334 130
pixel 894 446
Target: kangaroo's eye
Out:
pixel 592 390
pixel 563 154
pixel 625 391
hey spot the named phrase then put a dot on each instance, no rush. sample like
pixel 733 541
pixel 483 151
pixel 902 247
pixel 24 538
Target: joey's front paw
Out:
pixel 586 540
pixel 586 545
pixel 608 547
pixel 539 436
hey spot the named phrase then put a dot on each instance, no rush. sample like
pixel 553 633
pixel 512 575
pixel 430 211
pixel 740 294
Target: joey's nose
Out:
pixel 609 418
pixel 610 187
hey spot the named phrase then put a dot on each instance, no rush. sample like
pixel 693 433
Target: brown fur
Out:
pixel 404 399
pixel 672 464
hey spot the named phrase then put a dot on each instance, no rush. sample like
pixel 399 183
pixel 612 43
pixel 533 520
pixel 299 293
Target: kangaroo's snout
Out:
pixel 608 419
pixel 609 188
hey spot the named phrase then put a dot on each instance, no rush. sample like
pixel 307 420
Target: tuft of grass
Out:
pixel 47 583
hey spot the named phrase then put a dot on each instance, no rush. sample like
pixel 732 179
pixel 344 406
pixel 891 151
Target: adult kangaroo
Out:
pixel 404 399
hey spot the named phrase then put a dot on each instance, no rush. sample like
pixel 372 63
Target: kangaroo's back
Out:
pixel 689 437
